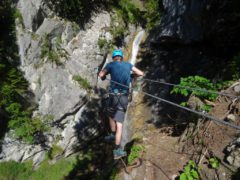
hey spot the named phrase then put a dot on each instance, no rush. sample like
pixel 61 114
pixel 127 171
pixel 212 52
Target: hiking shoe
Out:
pixel 118 153
pixel 110 138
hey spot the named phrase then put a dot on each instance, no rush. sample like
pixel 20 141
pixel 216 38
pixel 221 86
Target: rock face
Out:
pixel 17 151
pixel 40 36
pixel 187 22
pixel 233 153
pixel 182 21
pixel 192 39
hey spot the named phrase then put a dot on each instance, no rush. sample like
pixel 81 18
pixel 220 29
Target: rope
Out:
pixel 192 89
pixel 182 107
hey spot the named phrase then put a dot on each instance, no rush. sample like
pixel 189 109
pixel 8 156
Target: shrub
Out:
pixel 197 82
pixel 102 42
pixel 55 151
pixel 117 27
pixel 190 171
pixel 135 153
pixel 130 13
pixel 114 174
pixel 79 11
pixel 35 36
pixel 17 15
pixel 53 52
pixel 25 127
pixel 14 170
pixel 153 13
pixel 45 47
pixel 13 86
pixel 82 82
pixel 148 16
pixel 213 162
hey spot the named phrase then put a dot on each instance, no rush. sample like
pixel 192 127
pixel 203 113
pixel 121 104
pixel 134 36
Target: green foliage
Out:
pixel 153 13
pixel 235 67
pixel 190 171
pixel 137 12
pixel 206 108
pixel 25 127
pixel 45 48
pixel 17 15
pixel 114 175
pixel 135 153
pixel 79 11
pixel 236 174
pixel 14 170
pixel 13 86
pixel 54 57
pixel 62 169
pixel 82 82
pixel 129 11
pixel 214 162
pixel 53 52
pixel 102 43
pixel 184 104
pixel 35 36
pixel 149 15
pixel 55 151
pixel 118 27
pixel 12 89
pixel 197 82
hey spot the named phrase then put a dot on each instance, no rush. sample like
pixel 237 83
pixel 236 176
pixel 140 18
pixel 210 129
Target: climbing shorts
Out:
pixel 117 106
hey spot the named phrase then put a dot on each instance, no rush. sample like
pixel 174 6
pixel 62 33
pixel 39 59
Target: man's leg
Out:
pixel 111 136
pixel 118 152
pixel 112 124
pixel 118 133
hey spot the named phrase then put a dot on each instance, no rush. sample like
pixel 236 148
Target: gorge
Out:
pixel 60 55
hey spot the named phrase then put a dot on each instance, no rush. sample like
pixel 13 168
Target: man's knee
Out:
pixel 119 125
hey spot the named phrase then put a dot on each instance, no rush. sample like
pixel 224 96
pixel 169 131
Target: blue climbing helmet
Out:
pixel 117 52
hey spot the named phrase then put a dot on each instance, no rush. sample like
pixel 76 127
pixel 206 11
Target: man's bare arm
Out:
pixel 137 71
pixel 103 74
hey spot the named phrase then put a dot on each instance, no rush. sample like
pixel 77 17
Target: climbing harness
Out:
pixel 116 101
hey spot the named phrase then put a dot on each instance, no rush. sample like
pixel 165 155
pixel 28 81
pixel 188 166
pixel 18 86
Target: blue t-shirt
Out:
pixel 120 72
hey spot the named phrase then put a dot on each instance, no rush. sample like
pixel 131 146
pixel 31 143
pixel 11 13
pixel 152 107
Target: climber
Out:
pixel 120 72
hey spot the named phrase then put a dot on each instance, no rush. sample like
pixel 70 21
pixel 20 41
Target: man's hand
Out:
pixel 103 78
pixel 103 74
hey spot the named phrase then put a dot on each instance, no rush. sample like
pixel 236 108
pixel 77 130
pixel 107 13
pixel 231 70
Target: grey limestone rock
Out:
pixel 55 91
pixel 33 13
pixel 233 153
pixel 182 21
pixel 18 151
pixel 237 89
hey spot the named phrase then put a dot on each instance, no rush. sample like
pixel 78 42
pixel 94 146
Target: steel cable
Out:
pixel 192 89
